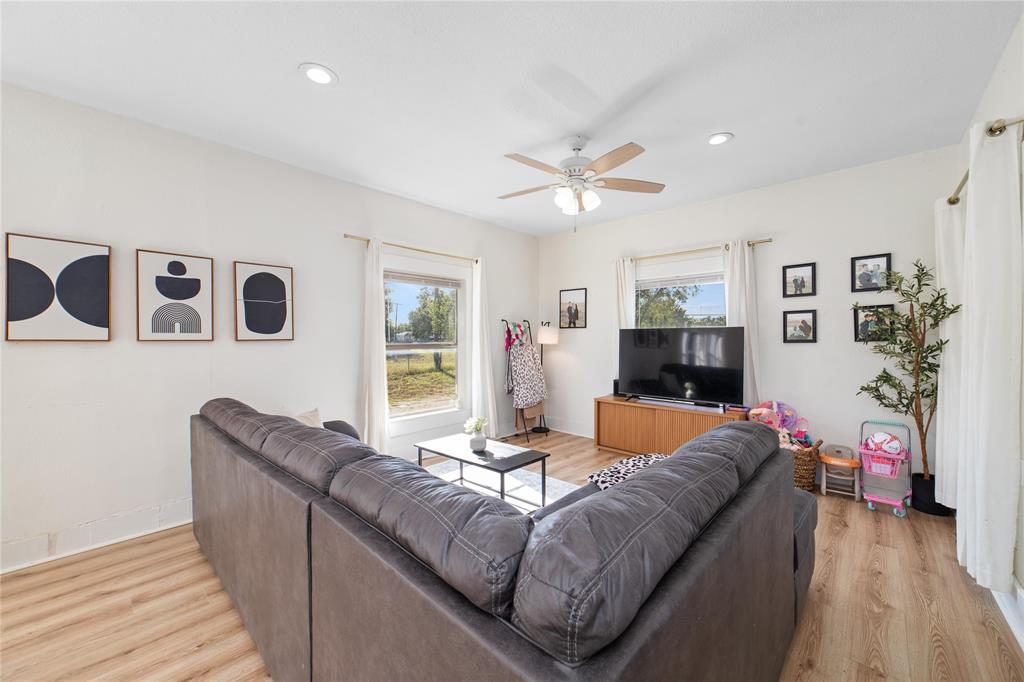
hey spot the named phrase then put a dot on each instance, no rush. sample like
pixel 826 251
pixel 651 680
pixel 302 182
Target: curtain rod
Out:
pixel 997 128
pixel 358 238
pixel 710 247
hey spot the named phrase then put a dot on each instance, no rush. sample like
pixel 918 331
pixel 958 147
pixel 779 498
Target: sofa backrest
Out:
pixel 746 444
pixel 589 567
pixel 310 454
pixel 472 541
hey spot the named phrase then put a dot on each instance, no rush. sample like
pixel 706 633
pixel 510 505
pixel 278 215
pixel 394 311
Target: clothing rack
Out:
pixel 519 412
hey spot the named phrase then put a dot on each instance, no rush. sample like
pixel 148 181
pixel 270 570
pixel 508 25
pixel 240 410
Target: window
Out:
pixel 421 329
pixel 683 302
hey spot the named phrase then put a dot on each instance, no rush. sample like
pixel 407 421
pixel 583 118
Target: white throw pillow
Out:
pixel 311 418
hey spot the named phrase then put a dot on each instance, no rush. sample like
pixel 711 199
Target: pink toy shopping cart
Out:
pixel 885 477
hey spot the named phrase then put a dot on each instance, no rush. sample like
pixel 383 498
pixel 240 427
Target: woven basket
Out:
pixel 805 465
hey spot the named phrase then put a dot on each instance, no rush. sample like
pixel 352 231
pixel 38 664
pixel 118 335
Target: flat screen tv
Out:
pixel 699 365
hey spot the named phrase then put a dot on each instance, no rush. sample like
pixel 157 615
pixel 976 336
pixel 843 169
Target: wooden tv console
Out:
pixel 633 427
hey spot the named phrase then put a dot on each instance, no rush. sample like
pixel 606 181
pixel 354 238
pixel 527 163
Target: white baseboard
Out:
pixel 1012 606
pixel 89 548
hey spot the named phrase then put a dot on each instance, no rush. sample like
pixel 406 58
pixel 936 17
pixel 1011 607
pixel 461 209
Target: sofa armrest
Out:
pixel 344 427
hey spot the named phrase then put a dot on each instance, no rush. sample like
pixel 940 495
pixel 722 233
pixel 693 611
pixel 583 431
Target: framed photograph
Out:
pixel 572 309
pixel 57 289
pixel 174 296
pixel 868 325
pixel 263 302
pixel 867 273
pixel 800 326
pixel 799 280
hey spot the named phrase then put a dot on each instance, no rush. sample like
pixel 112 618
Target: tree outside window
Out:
pixel 680 304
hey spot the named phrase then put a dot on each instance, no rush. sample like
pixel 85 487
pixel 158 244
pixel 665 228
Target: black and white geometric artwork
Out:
pixel 57 290
pixel 175 296
pixel 263 302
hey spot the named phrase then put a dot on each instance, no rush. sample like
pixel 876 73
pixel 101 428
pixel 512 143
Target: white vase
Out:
pixel 478 442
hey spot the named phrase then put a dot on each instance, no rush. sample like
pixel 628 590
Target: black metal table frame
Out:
pixel 501 475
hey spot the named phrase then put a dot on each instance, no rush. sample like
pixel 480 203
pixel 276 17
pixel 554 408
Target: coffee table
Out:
pixel 501 458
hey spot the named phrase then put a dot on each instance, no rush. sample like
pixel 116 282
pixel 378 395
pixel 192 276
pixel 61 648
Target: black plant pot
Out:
pixel 924 496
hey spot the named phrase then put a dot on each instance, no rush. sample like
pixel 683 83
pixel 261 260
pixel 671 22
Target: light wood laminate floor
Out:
pixel 888 600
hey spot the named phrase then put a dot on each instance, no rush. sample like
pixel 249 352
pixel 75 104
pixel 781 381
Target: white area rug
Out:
pixel 521 483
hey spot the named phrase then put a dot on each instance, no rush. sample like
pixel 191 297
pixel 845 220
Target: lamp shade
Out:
pixel 547 336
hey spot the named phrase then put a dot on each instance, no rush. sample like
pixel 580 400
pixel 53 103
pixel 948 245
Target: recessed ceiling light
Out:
pixel 318 73
pixel 720 138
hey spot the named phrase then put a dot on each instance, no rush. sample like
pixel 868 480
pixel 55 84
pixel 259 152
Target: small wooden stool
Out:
pixel 838 464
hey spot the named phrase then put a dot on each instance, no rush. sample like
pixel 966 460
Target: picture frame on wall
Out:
pixel 868 326
pixel 800 326
pixel 173 296
pixel 799 280
pixel 572 309
pixel 57 289
pixel 868 273
pixel 263 302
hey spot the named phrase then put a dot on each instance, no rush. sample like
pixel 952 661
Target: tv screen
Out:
pixel 702 365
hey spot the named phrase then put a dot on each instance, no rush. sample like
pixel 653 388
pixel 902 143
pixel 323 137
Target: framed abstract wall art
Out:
pixel 57 289
pixel 263 302
pixel 174 296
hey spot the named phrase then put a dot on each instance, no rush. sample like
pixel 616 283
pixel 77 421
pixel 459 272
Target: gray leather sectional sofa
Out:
pixel 346 564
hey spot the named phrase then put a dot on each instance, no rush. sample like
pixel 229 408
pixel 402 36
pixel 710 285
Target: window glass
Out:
pixel 681 302
pixel 421 329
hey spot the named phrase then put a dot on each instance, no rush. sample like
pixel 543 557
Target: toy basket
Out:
pixel 805 465
pixel 882 463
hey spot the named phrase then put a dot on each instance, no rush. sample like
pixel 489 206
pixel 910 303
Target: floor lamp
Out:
pixel 546 336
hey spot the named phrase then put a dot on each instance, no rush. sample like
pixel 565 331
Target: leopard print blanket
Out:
pixel 623 469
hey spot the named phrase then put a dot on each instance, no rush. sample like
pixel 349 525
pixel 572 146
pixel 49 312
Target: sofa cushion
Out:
pixel 747 444
pixel 473 542
pixel 312 454
pixel 589 567
pixel 241 422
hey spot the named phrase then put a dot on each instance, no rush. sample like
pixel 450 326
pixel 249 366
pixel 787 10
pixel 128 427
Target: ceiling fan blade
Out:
pixel 615 158
pixel 533 163
pixel 627 185
pixel 579 202
pixel 529 191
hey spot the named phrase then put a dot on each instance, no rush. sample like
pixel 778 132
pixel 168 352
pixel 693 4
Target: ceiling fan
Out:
pixel 578 177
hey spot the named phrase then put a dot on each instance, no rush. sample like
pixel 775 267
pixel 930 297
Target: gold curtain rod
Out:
pixel 997 128
pixel 358 238
pixel 711 247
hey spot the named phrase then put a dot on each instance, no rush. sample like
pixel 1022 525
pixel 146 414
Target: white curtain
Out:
pixel 990 424
pixel 375 371
pixel 741 310
pixel 481 355
pixel 625 290
pixel 949 275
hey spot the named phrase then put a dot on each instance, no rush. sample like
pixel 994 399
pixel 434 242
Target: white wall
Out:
pixel 95 435
pixel 878 208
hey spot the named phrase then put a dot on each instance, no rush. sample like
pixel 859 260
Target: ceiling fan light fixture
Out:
pixel 590 200
pixel 318 73
pixel 564 198
pixel 720 138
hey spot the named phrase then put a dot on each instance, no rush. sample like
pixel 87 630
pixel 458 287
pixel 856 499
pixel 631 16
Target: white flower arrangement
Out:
pixel 475 425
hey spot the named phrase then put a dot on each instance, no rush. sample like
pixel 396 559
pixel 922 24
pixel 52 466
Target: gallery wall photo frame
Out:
pixel 57 289
pixel 264 301
pixel 572 308
pixel 867 327
pixel 173 296
pixel 799 280
pixel 800 326
pixel 867 273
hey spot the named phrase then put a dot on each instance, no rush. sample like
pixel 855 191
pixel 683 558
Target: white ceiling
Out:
pixel 432 95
